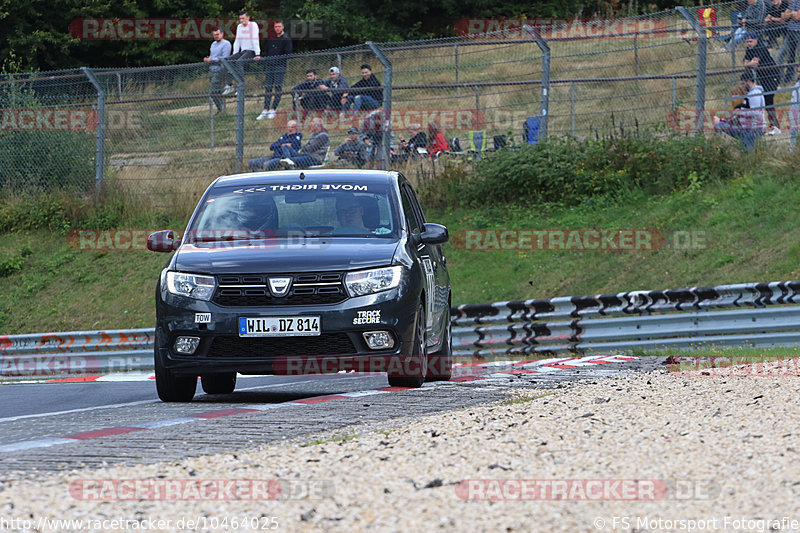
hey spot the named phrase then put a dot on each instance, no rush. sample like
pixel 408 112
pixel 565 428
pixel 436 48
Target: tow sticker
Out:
pixel 202 318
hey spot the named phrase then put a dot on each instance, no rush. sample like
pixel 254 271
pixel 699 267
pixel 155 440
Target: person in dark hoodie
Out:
pixel 366 93
pixel 278 46
pixel 757 57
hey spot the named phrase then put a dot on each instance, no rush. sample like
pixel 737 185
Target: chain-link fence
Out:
pixel 165 132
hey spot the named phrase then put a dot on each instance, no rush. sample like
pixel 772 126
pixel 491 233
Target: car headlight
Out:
pixel 371 281
pixel 191 285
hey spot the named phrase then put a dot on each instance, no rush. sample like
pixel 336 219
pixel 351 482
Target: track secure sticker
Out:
pixel 368 317
pixel 202 318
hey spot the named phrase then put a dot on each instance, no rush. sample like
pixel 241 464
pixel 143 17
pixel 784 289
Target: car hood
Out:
pixel 282 255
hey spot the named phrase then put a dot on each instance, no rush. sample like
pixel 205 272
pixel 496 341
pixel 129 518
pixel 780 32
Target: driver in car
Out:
pixel 257 212
pixel 350 213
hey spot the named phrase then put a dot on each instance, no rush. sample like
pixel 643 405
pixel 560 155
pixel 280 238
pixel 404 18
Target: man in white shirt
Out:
pixel 747 123
pixel 246 46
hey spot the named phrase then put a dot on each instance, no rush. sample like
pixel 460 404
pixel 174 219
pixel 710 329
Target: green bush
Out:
pixel 34 212
pixel 12 261
pixel 570 171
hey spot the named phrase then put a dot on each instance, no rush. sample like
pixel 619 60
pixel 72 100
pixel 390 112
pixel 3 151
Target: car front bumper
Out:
pixel 340 345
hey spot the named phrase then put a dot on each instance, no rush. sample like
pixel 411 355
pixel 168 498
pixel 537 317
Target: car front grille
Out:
pixel 267 348
pixel 252 290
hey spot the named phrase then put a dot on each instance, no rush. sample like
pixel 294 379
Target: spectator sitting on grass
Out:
pixel 313 153
pixel 352 151
pixel 747 121
pixel 292 139
pixel 437 142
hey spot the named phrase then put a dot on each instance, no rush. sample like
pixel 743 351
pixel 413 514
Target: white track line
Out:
pixel 94 408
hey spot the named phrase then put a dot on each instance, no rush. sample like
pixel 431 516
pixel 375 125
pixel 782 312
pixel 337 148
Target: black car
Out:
pixel 302 272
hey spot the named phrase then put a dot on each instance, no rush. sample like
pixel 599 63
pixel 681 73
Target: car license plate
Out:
pixel 283 326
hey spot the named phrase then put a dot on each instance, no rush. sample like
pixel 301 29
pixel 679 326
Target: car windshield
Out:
pixel 292 210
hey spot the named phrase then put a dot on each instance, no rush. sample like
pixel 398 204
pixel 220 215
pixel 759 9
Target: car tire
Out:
pixel 413 377
pixel 172 388
pixel 218 383
pixel 440 362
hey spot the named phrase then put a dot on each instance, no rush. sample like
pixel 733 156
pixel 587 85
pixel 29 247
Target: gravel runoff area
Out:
pixel 642 452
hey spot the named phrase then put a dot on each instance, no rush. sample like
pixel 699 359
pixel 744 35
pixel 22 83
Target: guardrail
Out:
pixel 750 314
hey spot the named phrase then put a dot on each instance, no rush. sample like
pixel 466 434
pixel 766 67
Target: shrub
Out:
pixel 569 171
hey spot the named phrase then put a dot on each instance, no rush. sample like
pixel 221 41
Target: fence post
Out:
pixel 211 120
pixel 636 53
pixel 455 53
pixel 239 77
pixel 674 93
pixel 100 154
pixel 545 48
pixel 700 100
pixel 572 105
pixel 387 103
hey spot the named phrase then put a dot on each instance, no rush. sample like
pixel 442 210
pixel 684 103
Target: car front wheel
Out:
pixel 440 362
pixel 172 388
pixel 412 373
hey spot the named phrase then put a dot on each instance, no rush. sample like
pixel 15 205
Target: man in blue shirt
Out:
pixel 292 139
pixel 220 49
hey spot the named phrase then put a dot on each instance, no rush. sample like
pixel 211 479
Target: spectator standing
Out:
pixel 366 92
pixel 791 42
pixel 774 25
pixel 758 58
pixel 352 151
pixel 279 46
pixel 246 46
pixel 291 139
pixel 220 49
pixel 794 112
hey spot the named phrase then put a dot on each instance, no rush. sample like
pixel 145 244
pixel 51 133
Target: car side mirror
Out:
pixel 434 234
pixel 163 241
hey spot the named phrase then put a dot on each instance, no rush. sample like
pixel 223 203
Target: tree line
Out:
pixel 41 34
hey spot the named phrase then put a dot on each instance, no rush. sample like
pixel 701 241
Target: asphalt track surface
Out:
pixel 118 419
